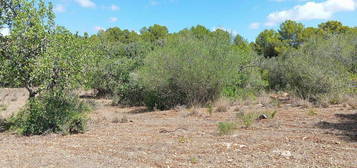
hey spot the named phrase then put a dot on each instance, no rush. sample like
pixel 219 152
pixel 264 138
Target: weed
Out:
pixel 194 160
pixel 182 139
pixel 272 114
pixel 225 128
pixel 247 119
pixel 210 109
pixel 312 112
pixel 222 105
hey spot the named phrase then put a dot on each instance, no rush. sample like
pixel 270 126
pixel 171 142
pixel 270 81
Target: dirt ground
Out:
pixel 133 137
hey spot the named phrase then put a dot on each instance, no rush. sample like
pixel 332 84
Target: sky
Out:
pixel 244 17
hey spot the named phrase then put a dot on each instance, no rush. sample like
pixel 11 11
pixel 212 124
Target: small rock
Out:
pixel 262 117
pixel 260 105
pixel 283 153
pixel 286 153
pixel 228 145
pixel 242 146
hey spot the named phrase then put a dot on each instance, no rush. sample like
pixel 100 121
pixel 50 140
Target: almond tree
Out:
pixel 37 55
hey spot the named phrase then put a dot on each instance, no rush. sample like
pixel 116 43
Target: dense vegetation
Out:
pixel 160 69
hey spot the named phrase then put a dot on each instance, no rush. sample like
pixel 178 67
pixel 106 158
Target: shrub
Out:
pixel 55 111
pixel 188 71
pixel 247 119
pixel 225 128
pixel 317 70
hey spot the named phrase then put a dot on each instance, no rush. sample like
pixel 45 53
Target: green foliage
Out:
pixel 312 112
pixel 154 33
pixel 54 111
pixel 31 24
pixel 291 33
pixel 112 65
pixel 317 69
pixel 333 27
pixel 225 128
pixel 247 119
pixel 189 71
pixel 272 114
pixel 37 54
pixel 268 43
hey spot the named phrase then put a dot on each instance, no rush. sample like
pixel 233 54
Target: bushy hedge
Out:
pixel 189 71
pixel 51 112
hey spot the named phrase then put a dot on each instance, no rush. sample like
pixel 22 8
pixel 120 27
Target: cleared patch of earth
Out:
pixel 134 137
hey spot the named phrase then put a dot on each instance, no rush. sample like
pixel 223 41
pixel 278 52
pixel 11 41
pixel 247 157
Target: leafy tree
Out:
pixel 291 33
pixel 115 34
pixel 333 27
pixel 268 43
pixel 200 31
pixel 222 34
pixel 154 33
pixel 31 24
pixel 241 42
pixel 38 55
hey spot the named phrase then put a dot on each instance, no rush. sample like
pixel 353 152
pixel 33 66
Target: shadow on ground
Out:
pixel 3 125
pixel 346 127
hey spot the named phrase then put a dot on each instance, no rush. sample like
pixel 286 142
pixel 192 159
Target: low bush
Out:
pixel 225 128
pixel 247 119
pixel 51 112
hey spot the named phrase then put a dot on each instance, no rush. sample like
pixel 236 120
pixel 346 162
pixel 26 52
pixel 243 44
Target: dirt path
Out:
pixel 175 139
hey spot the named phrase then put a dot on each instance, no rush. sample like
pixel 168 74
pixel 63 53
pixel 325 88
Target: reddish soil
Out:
pixel 179 138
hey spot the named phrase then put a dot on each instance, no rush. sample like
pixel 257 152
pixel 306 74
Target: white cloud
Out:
pixel 254 25
pixel 114 8
pixel 98 28
pixel 86 3
pixel 312 10
pixel 113 19
pixel 59 8
pixel 5 31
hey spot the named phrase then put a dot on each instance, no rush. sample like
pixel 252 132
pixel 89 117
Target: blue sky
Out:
pixel 246 17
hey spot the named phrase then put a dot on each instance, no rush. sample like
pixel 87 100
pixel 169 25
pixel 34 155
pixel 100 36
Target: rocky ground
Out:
pixel 133 137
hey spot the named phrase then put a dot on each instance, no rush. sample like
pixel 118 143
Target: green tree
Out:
pixel 200 31
pixel 37 54
pixel 291 33
pixel 154 33
pixel 268 43
pixel 333 27
pixel 31 24
pixel 241 42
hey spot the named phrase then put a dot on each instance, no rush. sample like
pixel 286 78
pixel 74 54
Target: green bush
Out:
pixel 52 112
pixel 225 128
pixel 316 70
pixel 189 71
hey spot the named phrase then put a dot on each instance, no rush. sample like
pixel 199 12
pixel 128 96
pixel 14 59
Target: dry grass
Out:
pixel 141 144
pixel 222 105
pixel 298 102
pixel 352 102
